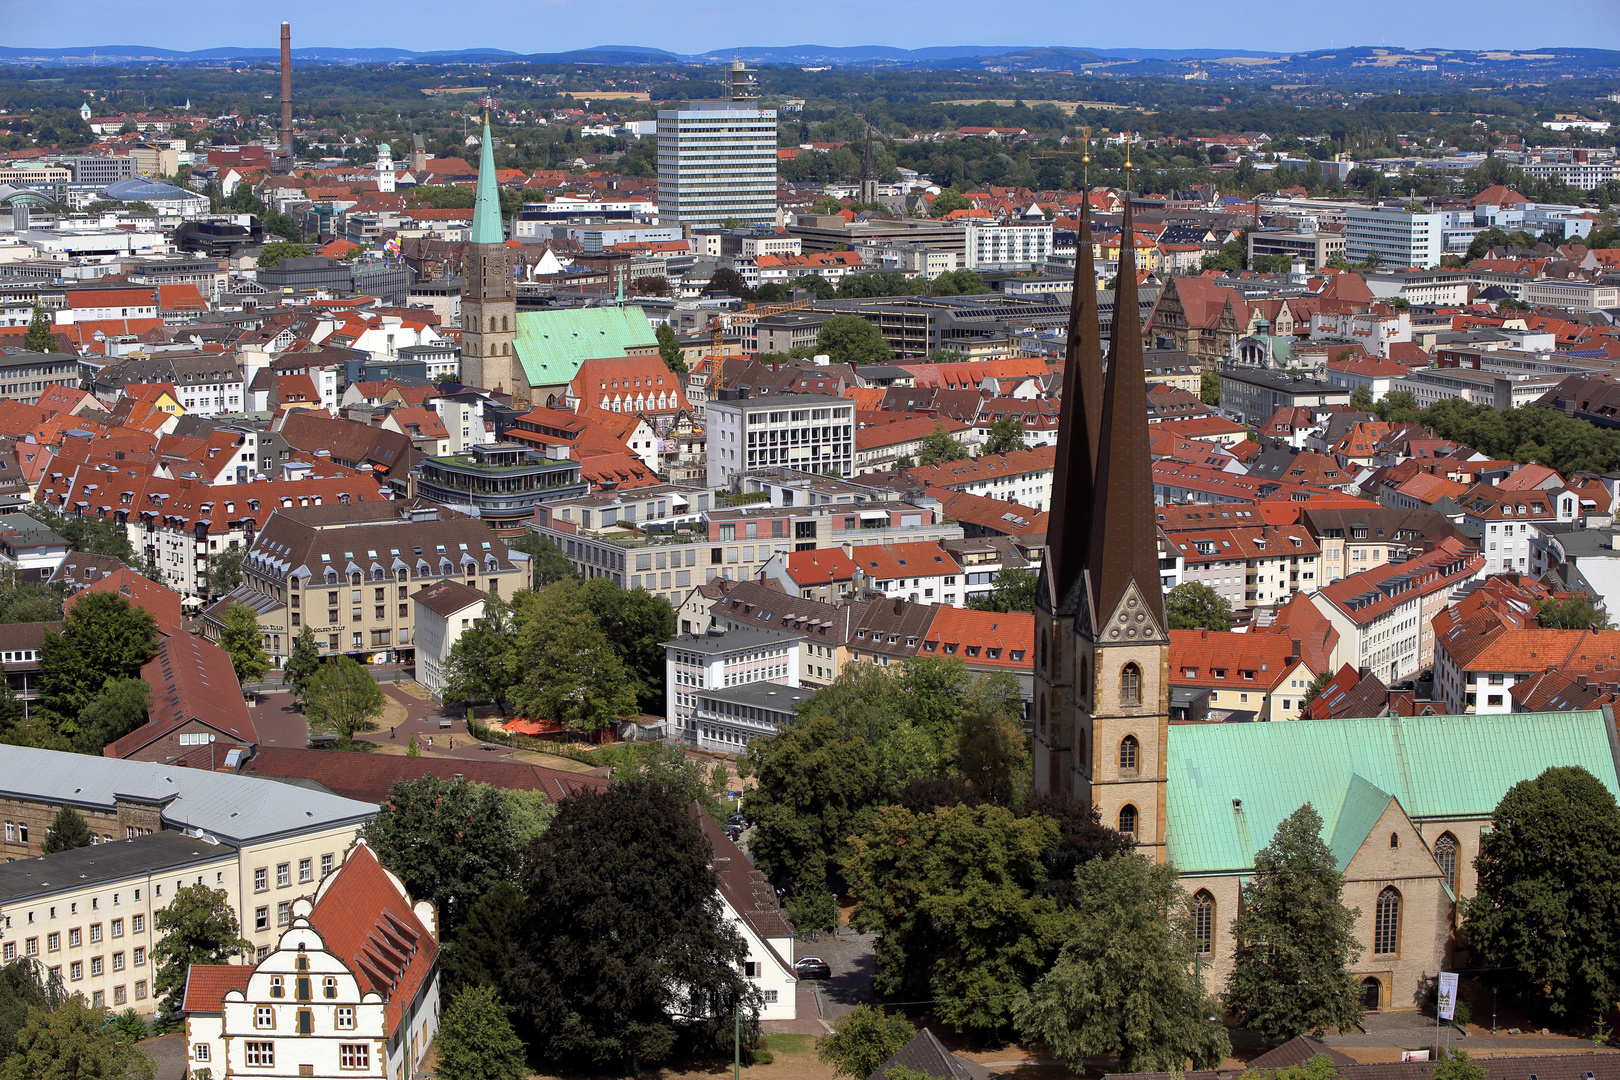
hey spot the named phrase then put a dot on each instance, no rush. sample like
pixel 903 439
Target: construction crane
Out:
pixel 717 335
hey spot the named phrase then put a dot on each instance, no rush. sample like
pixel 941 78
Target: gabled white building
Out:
pixel 751 907
pixel 351 990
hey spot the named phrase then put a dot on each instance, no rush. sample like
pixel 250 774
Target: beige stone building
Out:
pixel 1402 820
pixel 280 840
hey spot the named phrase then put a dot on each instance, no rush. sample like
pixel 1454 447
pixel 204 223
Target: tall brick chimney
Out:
pixel 286 98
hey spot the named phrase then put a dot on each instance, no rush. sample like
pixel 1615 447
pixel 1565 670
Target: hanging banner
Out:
pixel 1447 995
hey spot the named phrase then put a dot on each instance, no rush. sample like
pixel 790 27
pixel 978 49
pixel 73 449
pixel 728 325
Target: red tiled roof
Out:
pixel 192 681
pixel 207 985
pixel 976 635
pixel 1256 661
pixel 366 918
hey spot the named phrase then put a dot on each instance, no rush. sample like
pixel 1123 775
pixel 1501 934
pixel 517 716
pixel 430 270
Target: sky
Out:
pixel 559 25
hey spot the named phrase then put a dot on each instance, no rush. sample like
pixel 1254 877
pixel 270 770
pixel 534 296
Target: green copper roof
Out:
pixel 552 344
pixel 1439 767
pixel 486 225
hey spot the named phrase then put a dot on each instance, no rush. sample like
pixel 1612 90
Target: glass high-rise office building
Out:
pixel 717 159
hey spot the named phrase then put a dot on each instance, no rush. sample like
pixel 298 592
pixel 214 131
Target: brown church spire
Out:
pixel 1124 537
pixel 1080 427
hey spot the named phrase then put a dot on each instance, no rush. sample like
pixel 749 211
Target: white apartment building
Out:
pixel 1575 295
pixel 694 664
pixel 444 610
pixel 1504 391
pixel 1399 238
pixel 813 432
pixel 1014 245
pixel 716 160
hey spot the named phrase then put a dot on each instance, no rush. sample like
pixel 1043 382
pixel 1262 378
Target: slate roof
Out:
pixel 1231 785
pixel 86 866
pixel 927 1055
pixel 191 680
pixel 236 809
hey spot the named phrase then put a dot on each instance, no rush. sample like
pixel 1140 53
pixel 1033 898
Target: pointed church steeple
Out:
pixel 1079 429
pixel 486 223
pixel 1124 536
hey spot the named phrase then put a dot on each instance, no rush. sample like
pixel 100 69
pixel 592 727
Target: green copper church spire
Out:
pixel 486 223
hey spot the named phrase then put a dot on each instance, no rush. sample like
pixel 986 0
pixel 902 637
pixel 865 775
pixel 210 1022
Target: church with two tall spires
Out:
pixel 1102 655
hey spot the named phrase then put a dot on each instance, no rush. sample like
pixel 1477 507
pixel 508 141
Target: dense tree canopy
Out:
pixel 1125 985
pixel 449 841
pixel 1193 605
pixel 627 957
pixel 1547 908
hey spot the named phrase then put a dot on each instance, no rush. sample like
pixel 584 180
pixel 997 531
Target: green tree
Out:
pixel 1081 838
pixel 40 337
pixel 1397 406
pixel 1318 684
pixel 948 201
pixel 30 603
pixel 303 661
pixel 1231 258
pixel 636 624
pixel 1294 938
pixel 74 1041
pixel 815 283
pixel 198 927
pixel 812 784
pixel 1006 435
pixel 850 339
pixel 1014 590
pixel 863 1040
pixel 813 909
pixel 88 533
pixel 1571 613
pixel 449 841
pixel 955 897
pixel 68 831
pixel 120 708
pixel 688 779
pixel 1361 398
pixel 571 672
pixel 1125 985
pixel 937 447
pixel 1209 388
pixel 225 571
pixel 1456 1065
pixel 771 293
pixel 991 753
pixel 670 349
pixel 241 638
pixel 1546 909
pixel 413 748
pixel 483 664
pixel 547 562
pixel 477 956
pixel 476 1040
pixel 103 639
pixel 598 981
pixel 1195 606
pixel 342 698
pixel 272 253
pixel 22 988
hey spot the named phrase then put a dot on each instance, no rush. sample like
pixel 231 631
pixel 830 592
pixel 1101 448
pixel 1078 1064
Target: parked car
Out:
pixel 812 967
pixel 738 820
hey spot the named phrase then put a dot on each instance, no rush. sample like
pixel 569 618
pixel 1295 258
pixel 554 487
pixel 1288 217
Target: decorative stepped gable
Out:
pixel 1123 556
